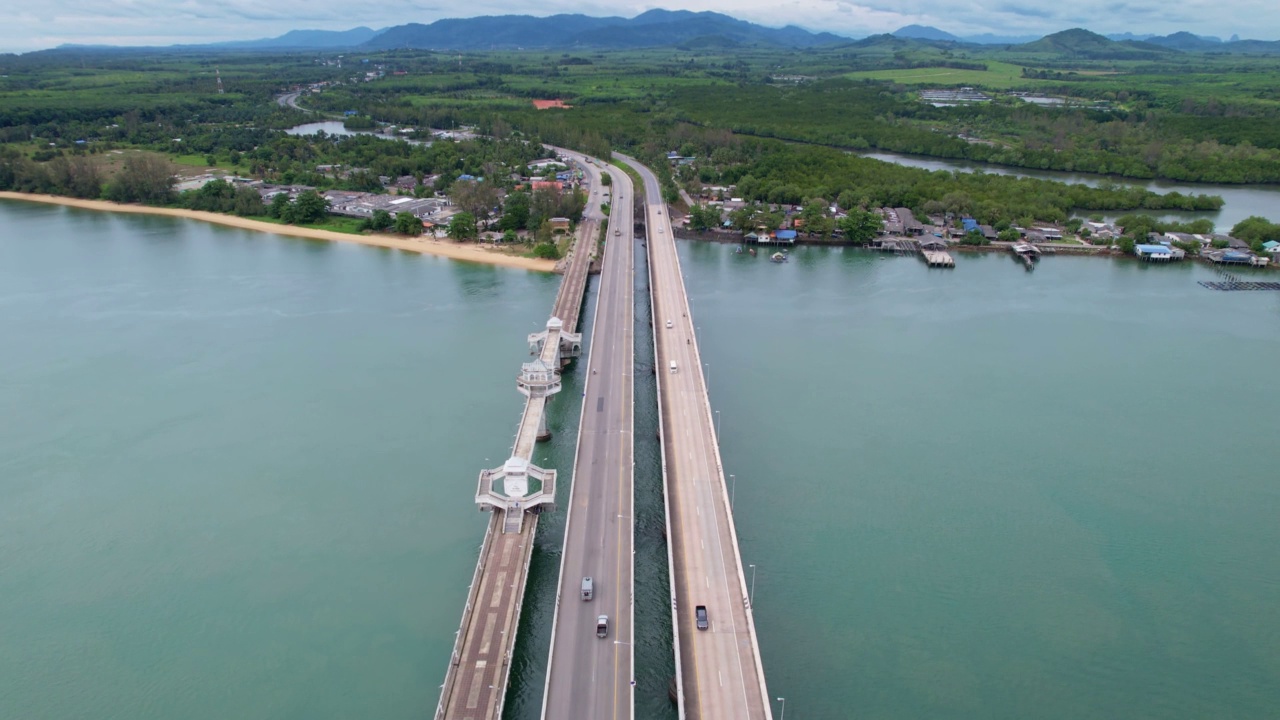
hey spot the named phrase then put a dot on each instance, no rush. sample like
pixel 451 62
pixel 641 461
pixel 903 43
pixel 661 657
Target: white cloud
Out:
pixel 162 22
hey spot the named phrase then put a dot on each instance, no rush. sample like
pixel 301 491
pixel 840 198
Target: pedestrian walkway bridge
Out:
pixel 514 494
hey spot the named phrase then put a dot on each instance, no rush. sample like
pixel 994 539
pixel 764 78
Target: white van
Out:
pixel 673 366
pixel 588 588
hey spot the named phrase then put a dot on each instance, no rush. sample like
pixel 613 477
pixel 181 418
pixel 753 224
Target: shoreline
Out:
pixel 438 248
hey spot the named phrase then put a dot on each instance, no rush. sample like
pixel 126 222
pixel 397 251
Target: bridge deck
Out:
pixel 475 682
pixel 720 674
pixel 588 676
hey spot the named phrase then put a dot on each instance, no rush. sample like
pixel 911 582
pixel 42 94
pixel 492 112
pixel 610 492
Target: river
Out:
pixel 1240 201
pixel 237 477
pixel 336 127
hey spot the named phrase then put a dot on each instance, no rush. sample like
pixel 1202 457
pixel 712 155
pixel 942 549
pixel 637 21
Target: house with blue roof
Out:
pixel 1272 247
pixel 1158 253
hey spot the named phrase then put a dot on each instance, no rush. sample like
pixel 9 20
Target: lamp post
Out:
pixel 783 714
pixel 751 596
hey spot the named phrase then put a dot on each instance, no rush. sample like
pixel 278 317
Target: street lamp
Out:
pixel 783 714
pixel 751 596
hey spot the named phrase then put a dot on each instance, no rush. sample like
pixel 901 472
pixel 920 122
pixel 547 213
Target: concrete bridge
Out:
pixel 718 668
pixel 514 494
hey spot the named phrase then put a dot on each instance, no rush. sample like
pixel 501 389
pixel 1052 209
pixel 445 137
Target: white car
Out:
pixel 668 323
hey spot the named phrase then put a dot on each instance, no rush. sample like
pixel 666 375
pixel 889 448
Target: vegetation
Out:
pixel 774 122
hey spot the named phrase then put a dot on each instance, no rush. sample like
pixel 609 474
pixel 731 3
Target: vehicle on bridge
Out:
pixel 701 613
pixel 602 626
pixel 673 366
pixel 588 588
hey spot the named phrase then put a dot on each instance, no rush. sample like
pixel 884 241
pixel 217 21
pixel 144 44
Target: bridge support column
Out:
pixel 544 432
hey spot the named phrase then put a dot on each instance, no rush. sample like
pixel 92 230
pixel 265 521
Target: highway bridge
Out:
pixel 719 673
pixel 589 677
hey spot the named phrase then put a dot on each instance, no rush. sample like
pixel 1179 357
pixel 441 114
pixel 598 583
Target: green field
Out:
pixel 997 75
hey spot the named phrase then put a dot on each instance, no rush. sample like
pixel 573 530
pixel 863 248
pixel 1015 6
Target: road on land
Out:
pixel 722 677
pixel 589 678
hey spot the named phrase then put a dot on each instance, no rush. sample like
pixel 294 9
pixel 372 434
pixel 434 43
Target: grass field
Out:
pixel 332 223
pixel 997 75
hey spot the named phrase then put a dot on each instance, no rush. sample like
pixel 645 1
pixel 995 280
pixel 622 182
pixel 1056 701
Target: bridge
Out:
pixel 589 677
pixel 514 494
pixel 718 669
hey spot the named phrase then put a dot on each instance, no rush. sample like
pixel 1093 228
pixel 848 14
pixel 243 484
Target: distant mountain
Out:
pixel 1120 37
pixel 924 32
pixel 1080 43
pixel 307 39
pixel 1188 42
pixel 654 28
pixel 990 39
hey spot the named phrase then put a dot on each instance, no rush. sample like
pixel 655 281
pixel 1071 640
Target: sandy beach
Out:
pixel 454 251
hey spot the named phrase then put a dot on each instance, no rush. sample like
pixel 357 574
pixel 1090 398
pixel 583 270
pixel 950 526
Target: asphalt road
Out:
pixel 289 99
pixel 721 673
pixel 589 678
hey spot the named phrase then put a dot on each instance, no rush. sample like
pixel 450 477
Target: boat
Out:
pixel 752 251
pixel 738 250
pixel 778 257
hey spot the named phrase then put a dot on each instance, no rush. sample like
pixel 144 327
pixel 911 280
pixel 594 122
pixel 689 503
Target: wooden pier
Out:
pixel 938 258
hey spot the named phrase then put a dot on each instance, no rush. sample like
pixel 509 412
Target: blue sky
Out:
pixel 48 23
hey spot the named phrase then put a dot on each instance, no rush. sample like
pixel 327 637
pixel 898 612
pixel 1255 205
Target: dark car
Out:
pixel 701 613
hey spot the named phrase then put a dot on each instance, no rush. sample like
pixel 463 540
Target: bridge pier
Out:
pixel 544 432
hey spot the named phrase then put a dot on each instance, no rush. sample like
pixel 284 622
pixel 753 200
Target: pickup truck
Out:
pixel 602 626
pixel 700 612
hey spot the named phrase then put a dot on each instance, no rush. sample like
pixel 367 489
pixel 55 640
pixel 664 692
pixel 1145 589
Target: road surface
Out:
pixel 589 678
pixel 720 668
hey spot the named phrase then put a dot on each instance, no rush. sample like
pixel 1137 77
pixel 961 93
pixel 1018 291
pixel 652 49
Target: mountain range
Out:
pixel 650 29
pixel 1084 43
pixel 686 29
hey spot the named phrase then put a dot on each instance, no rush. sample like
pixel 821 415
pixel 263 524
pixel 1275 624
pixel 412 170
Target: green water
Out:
pixel 236 470
pixel 987 493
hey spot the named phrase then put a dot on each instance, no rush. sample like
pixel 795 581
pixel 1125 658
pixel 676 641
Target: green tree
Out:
pixel 310 207
pixel 143 178
pixel 515 212
pixel 279 207
pixel 704 217
pixel 860 227
pixel 816 220
pixel 462 226
pixel 606 179
pixel 510 237
pixel 381 220
pixel 546 250
pixel 1256 230
pixel 1009 235
pixel 408 224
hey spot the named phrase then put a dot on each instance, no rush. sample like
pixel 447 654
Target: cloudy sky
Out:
pixel 48 23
